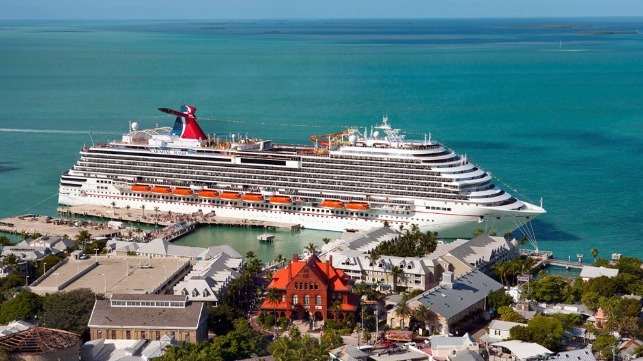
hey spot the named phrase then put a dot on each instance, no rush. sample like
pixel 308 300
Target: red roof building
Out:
pixel 311 289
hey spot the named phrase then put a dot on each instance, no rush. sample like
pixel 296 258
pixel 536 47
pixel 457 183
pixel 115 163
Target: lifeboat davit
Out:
pixel 140 188
pixel 208 193
pixel 357 206
pixel 161 190
pixel 183 192
pixel 332 204
pixel 252 197
pixel 280 200
pixel 230 195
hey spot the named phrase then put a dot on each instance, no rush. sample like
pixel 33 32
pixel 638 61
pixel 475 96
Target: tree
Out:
pixel 499 298
pixel 604 344
pixel 548 289
pixel 24 306
pixel 83 237
pixel 310 249
pixel 4 241
pixel 143 209
pixel 48 262
pixel 594 253
pixel 396 272
pixel 274 296
pixel 69 310
pixel 543 330
pixel 373 257
pixel 250 255
pixel 326 240
pixel 509 314
pixel 403 311
pixel 221 319
pixel 425 315
pixel 603 285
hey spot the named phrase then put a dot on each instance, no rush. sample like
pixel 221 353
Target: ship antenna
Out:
pixel 92 138
pixel 541 202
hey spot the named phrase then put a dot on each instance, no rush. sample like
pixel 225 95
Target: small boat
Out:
pixel 280 200
pixel 161 190
pixel 357 206
pixel 332 204
pixel 140 188
pixel 230 195
pixel 266 238
pixel 182 192
pixel 208 193
pixel 252 197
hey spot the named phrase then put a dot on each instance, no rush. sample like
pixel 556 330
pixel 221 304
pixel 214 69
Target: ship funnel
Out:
pixel 185 125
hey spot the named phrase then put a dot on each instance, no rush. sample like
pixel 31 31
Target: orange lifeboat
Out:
pixel 140 188
pixel 252 197
pixel 161 190
pixel 230 195
pixel 207 193
pixel 280 200
pixel 357 206
pixel 182 192
pixel 332 204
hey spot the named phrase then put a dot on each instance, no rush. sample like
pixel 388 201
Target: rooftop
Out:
pixel 39 340
pixel 106 316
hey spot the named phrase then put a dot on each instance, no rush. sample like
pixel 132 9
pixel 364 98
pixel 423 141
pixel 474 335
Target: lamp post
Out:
pixel 44 268
pixel 26 280
pixel 377 322
pixel 57 281
pixel 96 253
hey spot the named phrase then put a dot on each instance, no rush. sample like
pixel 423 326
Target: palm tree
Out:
pixel 11 260
pixel 373 257
pixel 402 310
pixel 501 270
pixel 310 248
pixel 595 253
pixel 250 255
pixel 273 296
pixel 425 315
pixel 326 240
pixel 114 207
pixel 337 309
pixel 279 259
pixel 83 237
pixel 143 209
pixel 396 272
pixel 156 211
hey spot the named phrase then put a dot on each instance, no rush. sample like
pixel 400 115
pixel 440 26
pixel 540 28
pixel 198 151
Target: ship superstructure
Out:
pixel 348 180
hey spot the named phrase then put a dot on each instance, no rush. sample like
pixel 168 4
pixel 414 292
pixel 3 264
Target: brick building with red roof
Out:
pixel 311 288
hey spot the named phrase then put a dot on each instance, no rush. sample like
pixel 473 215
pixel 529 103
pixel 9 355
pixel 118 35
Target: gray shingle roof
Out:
pixel 575 355
pixel 146 317
pixel 467 290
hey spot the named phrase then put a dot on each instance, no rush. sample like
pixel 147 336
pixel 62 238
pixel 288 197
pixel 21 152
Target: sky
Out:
pixel 313 9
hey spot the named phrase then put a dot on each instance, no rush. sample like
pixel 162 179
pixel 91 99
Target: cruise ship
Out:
pixel 355 179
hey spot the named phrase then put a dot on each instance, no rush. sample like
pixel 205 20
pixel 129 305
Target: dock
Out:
pixel 48 226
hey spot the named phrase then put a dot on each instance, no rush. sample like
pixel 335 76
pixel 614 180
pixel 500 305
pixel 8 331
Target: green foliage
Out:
pixel 604 344
pixel 499 298
pixel 96 246
pixel 543 330
pixel 603 286
pixel 298 347
pixel 508 270
pixel 509 314
pixel 412 243
pixel 4 241
pixel 9 282
pixel 592 300
pixel 239 343
pixel 221 319
pixel 24 306
pixel 623 315
pixel 548 289
pixel 69 311
pixel 49 261
pixel 602 262
pixel 569 320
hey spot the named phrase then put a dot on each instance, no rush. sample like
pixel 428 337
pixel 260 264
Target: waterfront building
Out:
pixel 148 316
pixel 483 252
pixel 210 278
pixel 522 351
pixel 311 289
pixel 452 300
pixel 589 272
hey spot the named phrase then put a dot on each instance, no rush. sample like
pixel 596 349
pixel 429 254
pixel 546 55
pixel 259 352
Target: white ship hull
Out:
pixel 460 222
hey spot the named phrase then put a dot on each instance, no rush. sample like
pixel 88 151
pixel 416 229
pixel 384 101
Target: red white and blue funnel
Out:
pixel 185 125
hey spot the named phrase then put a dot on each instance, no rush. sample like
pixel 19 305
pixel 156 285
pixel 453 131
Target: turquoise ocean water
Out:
pixel 552 107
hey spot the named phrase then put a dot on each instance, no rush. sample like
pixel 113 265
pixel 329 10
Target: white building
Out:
pixel 210 278
pixel 589 272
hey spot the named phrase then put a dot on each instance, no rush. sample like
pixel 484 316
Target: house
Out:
pixel 348 353
pixel 521 351
pixel 57 244
pixel 148 316
pixel 452 301
pixel 209 278
pixel 499 331
pixel 444 346
pixel 311 289
pixel 589 272
pixel 466 355
pixel 626 349
pixel 575 355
